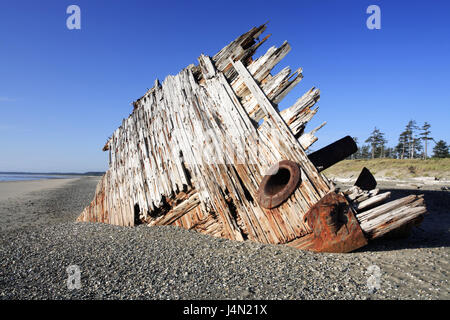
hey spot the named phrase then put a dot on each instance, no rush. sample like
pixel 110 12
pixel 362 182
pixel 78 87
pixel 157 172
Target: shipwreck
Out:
pixel 208 150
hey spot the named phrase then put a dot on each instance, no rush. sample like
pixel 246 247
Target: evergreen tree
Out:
pixel 390 153
pixel 377 142
pixel 402 144
pixel 356 154
pixel 418 149
pixel 381 145
pixel 425 136
pixel 372 140
pixel 412 139
pixel 365 154
pixel 440 150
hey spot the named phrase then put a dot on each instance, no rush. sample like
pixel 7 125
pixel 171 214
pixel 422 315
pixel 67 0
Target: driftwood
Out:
pixel 196 147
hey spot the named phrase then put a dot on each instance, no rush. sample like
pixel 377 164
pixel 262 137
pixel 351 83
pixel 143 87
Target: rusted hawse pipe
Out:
pixel 278 184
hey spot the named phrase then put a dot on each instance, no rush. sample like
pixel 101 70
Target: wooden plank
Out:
pixel 298 153
pixel 373 201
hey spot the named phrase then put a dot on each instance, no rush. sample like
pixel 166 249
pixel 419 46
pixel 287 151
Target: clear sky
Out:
pixel 63 92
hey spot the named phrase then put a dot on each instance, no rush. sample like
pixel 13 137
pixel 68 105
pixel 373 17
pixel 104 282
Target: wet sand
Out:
pixel 41 202
pixel 9 189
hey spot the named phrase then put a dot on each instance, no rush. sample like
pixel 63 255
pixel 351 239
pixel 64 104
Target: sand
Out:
pixel 30 203
pixel 16 189
pixel 39 240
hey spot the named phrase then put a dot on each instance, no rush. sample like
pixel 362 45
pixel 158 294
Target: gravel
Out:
pixel 171 263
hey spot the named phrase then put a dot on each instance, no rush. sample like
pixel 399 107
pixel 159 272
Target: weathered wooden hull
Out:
pixel 193 153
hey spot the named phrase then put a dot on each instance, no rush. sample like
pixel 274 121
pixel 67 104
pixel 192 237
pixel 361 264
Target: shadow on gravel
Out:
pixel 433 232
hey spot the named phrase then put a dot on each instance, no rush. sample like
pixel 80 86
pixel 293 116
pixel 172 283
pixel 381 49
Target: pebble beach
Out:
pixel 39 239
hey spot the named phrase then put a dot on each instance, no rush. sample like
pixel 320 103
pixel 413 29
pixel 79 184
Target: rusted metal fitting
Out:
pixel 335 228
pixel 278 184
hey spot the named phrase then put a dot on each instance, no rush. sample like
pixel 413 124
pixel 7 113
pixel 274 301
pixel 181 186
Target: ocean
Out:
pixel 30 176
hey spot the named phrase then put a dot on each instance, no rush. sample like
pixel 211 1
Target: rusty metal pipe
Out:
pixel 278 184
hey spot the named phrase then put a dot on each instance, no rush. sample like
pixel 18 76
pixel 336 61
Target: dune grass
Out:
pixel 393 168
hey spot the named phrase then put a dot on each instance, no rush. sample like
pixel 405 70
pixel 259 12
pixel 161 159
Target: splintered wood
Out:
pixel 378 218
pixel 195 148
pixel 192 153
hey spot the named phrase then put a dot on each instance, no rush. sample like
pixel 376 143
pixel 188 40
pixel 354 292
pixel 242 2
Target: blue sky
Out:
pixel 63 92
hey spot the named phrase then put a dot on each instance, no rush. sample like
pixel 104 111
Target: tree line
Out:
pixel 413 143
